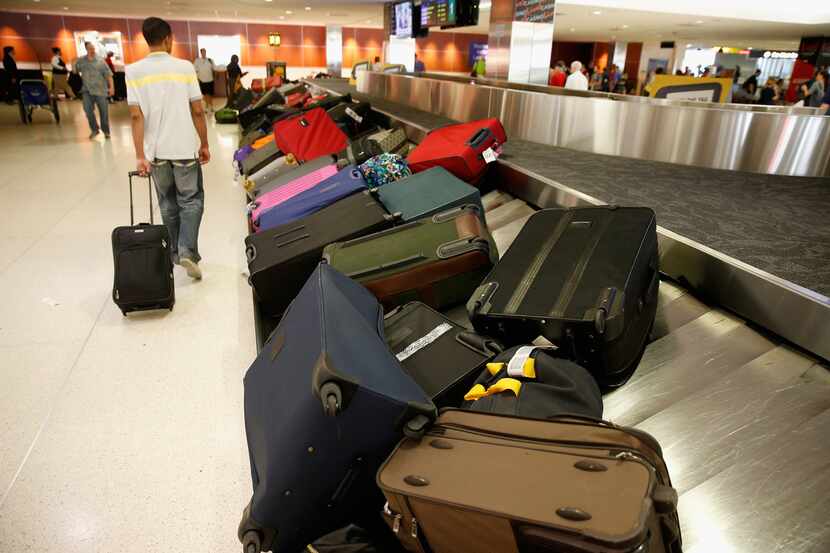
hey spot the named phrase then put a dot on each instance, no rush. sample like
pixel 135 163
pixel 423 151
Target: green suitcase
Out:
pixel 439 261
pixel 226 115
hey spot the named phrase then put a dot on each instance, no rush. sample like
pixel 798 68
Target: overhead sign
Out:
pixel 534 11
pixel 701 89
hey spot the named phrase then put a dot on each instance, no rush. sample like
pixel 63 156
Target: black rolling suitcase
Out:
pixel 260 158
pixel 281 259
pixel 586 279
pixel 352 118
pixel 325 404
pixel 443 357
pixel 143 266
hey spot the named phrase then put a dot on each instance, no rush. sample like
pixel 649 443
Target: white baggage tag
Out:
pixel 489 155
pixel 353 114
pixel 516 365
pixel 424 341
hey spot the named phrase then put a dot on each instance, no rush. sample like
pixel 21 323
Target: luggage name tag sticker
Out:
pixel 521 364
pixel 354 115
pixel 423 341
pixel 489 155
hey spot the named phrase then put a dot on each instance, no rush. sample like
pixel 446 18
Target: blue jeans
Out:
pixel 182 202
pixel 90 101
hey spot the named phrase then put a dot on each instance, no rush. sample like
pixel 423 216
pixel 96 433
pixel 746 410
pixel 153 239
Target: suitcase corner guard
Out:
pixel 479 303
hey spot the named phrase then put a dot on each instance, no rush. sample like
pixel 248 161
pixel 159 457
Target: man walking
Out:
pixel 167 115
pixel 59 74
pixel 98 86
pixel 204 70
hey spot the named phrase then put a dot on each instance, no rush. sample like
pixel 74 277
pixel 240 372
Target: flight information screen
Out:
pixel 438 13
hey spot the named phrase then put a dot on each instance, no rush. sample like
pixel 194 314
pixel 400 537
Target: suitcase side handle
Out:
pixel 480 137
pixel 130 175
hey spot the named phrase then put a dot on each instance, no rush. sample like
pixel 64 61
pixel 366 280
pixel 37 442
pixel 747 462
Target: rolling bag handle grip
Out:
pixel 479 137
pixel 132 174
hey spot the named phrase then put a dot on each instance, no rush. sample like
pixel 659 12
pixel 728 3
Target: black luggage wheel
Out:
pixel 251 542
pixel 332 397
pixel 416 427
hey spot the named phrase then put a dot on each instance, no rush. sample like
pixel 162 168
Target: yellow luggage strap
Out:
pixel 502 385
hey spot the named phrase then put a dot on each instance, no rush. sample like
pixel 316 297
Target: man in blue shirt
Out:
pixel 98 86
pixel 419 65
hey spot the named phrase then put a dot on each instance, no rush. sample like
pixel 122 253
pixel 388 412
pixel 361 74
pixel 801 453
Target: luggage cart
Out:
pixel 35 94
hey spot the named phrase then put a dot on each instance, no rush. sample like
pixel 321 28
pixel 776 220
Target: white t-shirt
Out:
pixel 204 69
pixel 163 87
pixel 577 81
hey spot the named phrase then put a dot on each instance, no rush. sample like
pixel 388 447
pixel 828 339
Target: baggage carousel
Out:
pixel 743 415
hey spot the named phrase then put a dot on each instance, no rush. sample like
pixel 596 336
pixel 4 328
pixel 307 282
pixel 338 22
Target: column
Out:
pixel 334 50
pixel 520 40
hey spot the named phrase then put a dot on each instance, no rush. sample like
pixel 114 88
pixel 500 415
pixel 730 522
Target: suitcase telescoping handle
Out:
pixel 132 174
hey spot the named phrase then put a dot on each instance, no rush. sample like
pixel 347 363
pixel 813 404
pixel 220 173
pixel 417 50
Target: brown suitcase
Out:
pixel 480 482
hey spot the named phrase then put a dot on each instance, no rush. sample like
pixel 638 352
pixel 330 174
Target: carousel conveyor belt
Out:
pixel 756 244
pixel 743 417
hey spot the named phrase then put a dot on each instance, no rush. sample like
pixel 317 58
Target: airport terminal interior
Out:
pixel 399 207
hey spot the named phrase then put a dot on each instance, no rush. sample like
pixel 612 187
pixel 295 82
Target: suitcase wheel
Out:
pixel 251 542
pixel 332 397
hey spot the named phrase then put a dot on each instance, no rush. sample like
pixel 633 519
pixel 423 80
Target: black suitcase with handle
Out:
pixel 282 258
pixel 584 278
pixel 143 277
pixel 443 357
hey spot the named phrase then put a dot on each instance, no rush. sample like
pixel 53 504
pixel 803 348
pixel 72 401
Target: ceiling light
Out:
pixel 308 8
pixel 572 29
pixel 282 17
pixel 688 46
pixel 269 0
pixel 66 8
pixel 596 12
pixel 698 22
pixel 36 1
pixel 625 26
pixel 288 12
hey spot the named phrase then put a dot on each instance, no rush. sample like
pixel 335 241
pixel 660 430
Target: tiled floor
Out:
pixel 115 434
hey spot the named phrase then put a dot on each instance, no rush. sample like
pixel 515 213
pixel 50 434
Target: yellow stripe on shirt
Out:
pixel 162 78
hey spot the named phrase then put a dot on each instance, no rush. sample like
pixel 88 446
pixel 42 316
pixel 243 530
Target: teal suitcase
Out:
pixel 426 193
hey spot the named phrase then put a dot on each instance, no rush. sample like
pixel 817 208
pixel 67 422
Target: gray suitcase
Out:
pixel 256 183
pixel 288 174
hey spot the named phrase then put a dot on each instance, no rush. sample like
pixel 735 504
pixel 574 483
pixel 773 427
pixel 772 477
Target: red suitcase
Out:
pixel 309 135
pixel 464 150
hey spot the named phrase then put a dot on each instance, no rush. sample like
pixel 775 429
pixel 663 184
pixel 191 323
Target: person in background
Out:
pixel 479 67
pixel 825 103
pixel 706 72
pixel 419 65
pixel 737 74
pixel 376 65
pixel 779 84
pixel 576 80
pixel 111 65
pixel 170 138
pixel 204 71
pixel 622 84
pixel 558 76
pixel 235 75
pixel 98 85
pixel 10 65
pixel 596 81
pixel 613 78
pixel 60 82
pixel 814 94
pixel 769 94
pixel 751 83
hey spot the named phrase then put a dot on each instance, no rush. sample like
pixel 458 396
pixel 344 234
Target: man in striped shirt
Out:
pixel 170 138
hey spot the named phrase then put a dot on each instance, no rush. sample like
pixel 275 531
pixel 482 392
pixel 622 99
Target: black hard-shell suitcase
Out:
pixel 281 259
pixel 143 266
pixel 443 357
pixel 584 278
pixel 352 118
pixel 325 404
pixel 260 158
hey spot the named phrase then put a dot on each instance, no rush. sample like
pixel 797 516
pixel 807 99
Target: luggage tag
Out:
pixel 489 155
pixel 423 341
pixel 354 115
pixel 518 365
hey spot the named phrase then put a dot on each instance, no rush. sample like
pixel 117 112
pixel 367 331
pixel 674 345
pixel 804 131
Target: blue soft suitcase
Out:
pixel 325 404
pixel 346 182
pixel 427 193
